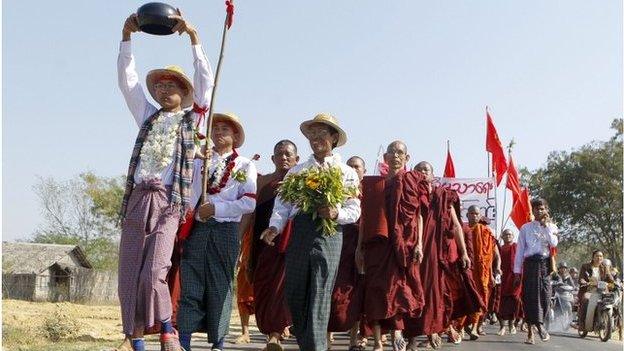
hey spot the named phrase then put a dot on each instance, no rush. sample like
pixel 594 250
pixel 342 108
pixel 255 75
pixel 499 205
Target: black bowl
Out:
pixel 153 18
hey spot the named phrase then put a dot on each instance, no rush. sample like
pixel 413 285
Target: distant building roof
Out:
pixel 30 258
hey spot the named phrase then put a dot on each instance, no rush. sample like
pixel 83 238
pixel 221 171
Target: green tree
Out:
pixel 82 211
pixel 583 188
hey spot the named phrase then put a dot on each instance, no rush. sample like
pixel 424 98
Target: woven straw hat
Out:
pixel 175 71
pixel 327 119
pixel 235 122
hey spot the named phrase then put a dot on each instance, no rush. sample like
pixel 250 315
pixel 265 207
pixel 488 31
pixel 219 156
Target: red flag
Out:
pixel 449 167
pixel 513 181
pixel 229 9
pixel 381 168
pixel 521 210
pixel 494 146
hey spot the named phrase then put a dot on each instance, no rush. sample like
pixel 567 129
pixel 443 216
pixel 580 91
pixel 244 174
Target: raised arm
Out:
pixel 127 77
pixel 203 78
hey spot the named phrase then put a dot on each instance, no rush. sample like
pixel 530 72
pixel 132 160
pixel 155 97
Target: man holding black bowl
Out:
pixel 161 187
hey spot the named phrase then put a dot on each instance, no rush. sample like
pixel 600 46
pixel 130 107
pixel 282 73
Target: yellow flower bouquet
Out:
pixel 317 187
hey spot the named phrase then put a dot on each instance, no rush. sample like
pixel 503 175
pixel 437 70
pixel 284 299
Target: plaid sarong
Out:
pixel 536 289
pixel 311 266
pixel 182 162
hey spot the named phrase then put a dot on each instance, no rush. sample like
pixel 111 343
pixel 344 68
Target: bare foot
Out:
pixel 435 340
pixel 286 333
pixel 126 345
pixel 378 346
pixel 243 339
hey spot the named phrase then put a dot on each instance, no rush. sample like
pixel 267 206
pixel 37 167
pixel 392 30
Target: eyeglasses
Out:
pixel 167 86
pixel 393 152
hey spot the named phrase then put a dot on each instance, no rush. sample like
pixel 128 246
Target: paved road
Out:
pixel 491 342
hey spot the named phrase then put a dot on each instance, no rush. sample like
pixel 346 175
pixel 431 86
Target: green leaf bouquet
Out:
pixel 314 188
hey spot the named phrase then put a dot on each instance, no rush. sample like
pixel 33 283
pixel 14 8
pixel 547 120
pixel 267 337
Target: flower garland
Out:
pixel 157 150
pixel 221 174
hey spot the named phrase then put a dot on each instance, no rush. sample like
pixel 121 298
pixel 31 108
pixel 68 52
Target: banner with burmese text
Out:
pixel 474 191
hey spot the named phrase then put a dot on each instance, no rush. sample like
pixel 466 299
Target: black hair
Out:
pixel 539 202
pixel 284 142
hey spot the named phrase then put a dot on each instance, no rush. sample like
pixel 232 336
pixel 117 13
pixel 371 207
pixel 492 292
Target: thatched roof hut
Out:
pixel 41 271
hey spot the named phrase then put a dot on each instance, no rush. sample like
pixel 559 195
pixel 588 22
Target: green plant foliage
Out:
pixel 583 188
pixel 314 188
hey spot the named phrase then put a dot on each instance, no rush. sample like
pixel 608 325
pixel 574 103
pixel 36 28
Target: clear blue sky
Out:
pixel 420 71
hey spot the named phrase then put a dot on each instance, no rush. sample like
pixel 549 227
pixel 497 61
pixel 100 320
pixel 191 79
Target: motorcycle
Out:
pixel 603 312
pixel 561 305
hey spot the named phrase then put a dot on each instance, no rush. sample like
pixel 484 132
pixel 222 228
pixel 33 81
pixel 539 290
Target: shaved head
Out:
pixel 422 164
pixel 426 169
pixel 357 163
pixel 396 156
pixel 474 208
pixel 507 235
pixel 396 144
pixel 474 215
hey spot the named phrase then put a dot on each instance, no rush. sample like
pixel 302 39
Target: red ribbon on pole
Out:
pixel 201 111
pixel 229 8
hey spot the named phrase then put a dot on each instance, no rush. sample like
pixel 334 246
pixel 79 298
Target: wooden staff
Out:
pixel 207 159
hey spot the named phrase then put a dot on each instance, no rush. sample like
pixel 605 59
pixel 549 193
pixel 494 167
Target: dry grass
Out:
pixel 98 327
pixel 94 326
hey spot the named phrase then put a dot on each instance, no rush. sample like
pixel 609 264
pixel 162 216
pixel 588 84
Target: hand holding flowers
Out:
pixel 318 191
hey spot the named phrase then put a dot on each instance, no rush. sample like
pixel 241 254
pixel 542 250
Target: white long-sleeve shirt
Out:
pixel 535 239
pixel 348 212
pixel 141 108
pixel 236 198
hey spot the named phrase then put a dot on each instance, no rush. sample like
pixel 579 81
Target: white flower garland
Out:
pixel 218 172
pixel 157 150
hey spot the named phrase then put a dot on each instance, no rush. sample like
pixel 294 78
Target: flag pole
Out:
pixel 504 221
pixel 208 154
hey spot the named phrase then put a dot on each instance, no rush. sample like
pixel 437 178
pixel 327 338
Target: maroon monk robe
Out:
pixel 393 289
pixel 460 284
pixel 495 292
pixel 511 302
pixel 348 294
pixel 267 263
pixel 438 226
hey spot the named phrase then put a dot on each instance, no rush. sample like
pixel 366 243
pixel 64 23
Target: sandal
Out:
pixel 435 341
pixel 543 334
pixel 399 344
pixel 454 338
pixel 170 342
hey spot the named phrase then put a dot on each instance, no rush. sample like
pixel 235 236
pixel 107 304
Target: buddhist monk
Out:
pixel 441 221
pixel 463 296
pixel 267 262
pixel 347 298
pixel 511 303
pixel 486 255
pixel 391 254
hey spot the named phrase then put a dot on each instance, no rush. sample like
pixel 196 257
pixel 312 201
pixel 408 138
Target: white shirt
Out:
pixel 236 198
pixel 348 212
pixel 141 108
pixel 535 239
